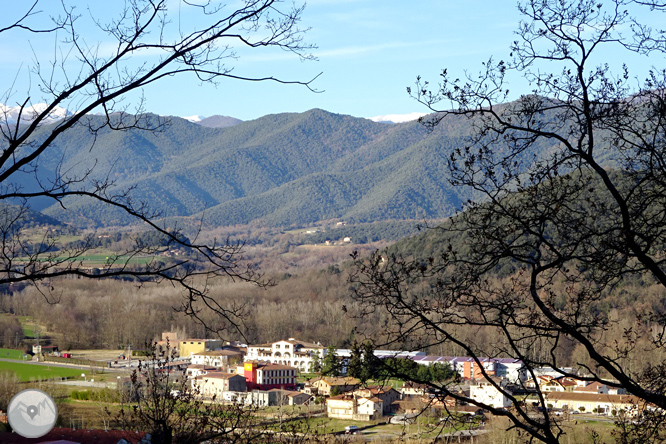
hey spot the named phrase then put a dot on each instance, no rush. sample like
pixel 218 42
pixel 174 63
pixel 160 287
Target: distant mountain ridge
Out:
pixel 215 121
pixel 398 118
pixel 283 170
pixel 11 114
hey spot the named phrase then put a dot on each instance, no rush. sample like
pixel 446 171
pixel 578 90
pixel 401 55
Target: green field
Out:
pixel 28 372
pixel 102 259
pixel 9 353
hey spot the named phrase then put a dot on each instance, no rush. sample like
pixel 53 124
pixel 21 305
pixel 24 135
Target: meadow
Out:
pixel 32 372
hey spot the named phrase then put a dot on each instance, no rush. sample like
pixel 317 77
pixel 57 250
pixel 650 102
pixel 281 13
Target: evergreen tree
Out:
pixel 331 365
pixel 369 369
pixel 315 365
pixel 355 367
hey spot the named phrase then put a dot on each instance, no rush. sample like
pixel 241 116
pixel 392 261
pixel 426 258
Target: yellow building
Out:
pixel 188 347
pixel 596 402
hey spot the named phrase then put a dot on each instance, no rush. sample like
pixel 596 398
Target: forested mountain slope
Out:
pixel 280 170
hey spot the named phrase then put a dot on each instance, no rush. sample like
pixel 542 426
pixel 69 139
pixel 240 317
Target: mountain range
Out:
pixel 283 170
pixel 12 114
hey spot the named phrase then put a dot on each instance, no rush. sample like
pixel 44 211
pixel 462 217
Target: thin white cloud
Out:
pixel 364 49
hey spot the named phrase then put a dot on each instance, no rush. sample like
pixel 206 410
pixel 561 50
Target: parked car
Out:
pixel 351 429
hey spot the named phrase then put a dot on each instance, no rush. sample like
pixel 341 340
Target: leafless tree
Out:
pixel 161 400
pixel 143 43
pixel 573 222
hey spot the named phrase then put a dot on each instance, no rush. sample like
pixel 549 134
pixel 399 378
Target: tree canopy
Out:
pixel 572 228
pixel 144 43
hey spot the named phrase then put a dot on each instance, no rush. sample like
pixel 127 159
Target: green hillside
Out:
pixel 281 170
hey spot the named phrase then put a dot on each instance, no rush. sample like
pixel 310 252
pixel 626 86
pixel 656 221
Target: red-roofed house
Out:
pixel 388 395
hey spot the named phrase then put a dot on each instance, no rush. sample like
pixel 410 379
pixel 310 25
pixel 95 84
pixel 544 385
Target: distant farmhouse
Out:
pixel 325 385
pixel 363 404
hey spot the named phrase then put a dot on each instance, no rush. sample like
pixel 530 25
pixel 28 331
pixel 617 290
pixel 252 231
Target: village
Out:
pixel 268 374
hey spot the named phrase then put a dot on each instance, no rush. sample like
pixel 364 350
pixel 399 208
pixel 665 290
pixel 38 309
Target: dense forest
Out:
pixel 283 170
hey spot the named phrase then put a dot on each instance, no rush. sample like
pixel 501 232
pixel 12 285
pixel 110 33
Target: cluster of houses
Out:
pixel 265 375
pixel 561 394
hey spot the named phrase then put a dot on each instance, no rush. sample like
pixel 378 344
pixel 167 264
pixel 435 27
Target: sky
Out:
pixel 368 52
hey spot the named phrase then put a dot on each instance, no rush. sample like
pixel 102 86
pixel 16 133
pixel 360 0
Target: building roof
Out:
pixel 201 367
pixel 590 388
pixel 486 381
pixel 219 353
pixel 343 397
pixel 303 344
pixel 268 345
pixel 289 393
pixel 221 375
pixel 269 366
pixel 198 340
pixel 415 385
pixel 593 397
pixel 338 380
pixel 291 341
pixel 377 389
pixel 348 397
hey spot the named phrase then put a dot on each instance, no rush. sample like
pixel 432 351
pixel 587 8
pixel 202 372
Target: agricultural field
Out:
pixel 33 372
pixel 10 353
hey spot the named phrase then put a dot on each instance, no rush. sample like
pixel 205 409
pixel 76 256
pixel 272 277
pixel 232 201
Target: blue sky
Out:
pixel 368 52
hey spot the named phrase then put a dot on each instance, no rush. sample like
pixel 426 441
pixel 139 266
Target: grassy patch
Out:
pixel 28 372
pixel 9 353
pixel 28 330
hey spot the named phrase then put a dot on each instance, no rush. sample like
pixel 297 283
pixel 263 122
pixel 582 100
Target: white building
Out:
pixel 511 369
pixel 223 359
pixel 291 352
pixel 214 384
pixel 485 392
pixel 194 370
pixel 468 368
pixel 353 407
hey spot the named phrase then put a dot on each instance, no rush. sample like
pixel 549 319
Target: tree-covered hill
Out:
pixel 280 170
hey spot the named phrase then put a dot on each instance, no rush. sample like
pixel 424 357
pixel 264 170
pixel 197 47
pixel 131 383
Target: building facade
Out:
pixel 223 359
pixel 215 384
pixel 357 408
pixel 189 347
pixel 266 376
pixel 327 384
pixel 388 395
pixel 604 404
pixel 290 352
pixel 485 392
